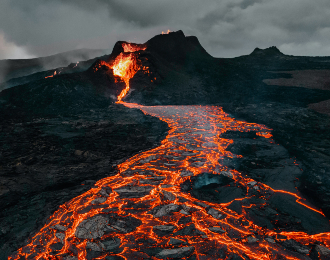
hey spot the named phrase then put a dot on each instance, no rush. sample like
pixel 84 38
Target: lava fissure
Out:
pixel 126 65
pixel 145 211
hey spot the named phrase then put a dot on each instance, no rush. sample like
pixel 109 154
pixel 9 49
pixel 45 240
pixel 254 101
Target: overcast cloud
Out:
pixel 225 28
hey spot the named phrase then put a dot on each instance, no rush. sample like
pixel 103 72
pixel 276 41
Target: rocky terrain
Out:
pixel 12 71
pixel 239 86
pixel 61 134
pixel 48 160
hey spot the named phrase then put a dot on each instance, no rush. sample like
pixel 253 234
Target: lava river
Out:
pixel 145 211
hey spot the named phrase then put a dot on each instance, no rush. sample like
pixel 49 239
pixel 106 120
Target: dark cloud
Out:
pixel 247 3
pixel 225 28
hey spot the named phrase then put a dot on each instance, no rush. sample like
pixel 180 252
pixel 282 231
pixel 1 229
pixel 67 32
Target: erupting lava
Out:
pixel 51 75
pixel 143 212
pixel 56 73
pixel 125 66
pixel 130 47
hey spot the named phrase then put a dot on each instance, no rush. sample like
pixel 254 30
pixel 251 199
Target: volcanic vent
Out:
pixel 159 64
pixel 126 65
pixel 121 66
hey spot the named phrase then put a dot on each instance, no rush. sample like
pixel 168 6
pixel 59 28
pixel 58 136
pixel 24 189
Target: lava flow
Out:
pixel 126 65
pixel 51 75
pixel 146 211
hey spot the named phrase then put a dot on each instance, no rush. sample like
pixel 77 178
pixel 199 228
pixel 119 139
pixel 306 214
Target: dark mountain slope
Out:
pixel 10 69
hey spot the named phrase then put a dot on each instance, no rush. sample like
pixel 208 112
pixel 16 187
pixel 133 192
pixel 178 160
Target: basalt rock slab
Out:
pixel 134 191
pixel 174 241
pixel 310 220
pixel 112 244
pixel 92 228
pixel 175 253
pixel 123 224
pixel 163 230
pixel 217 230
pixel 295 246
pixel 190 230
pixel 164 210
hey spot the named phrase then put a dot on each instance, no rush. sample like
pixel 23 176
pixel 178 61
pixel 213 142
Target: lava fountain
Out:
pixel 126 65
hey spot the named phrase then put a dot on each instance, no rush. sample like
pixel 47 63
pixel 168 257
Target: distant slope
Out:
pixel 10 69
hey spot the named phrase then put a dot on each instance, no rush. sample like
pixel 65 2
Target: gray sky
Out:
pixel 226 28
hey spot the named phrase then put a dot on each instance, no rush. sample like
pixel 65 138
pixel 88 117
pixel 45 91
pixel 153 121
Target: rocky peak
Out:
pixel 271 51
pixel 175 46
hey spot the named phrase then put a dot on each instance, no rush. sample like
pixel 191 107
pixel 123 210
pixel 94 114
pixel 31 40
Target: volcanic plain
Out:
pixel 161 151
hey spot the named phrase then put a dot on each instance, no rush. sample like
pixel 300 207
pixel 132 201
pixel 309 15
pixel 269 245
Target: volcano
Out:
pixel 161 151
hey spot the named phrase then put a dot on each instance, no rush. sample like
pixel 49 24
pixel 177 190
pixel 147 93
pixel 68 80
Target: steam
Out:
pixel 10 50
pixel 10 69
pixel 66 58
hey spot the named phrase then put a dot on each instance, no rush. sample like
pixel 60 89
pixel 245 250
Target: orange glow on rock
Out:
pixel 148 190
pixel 168 31
pixel 126 65
pixel 51 75
pixel 129 47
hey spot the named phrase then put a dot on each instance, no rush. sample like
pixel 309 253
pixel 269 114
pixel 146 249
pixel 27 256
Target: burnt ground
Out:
pixel 48 160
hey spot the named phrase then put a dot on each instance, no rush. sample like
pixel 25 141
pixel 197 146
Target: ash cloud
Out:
pixel 225 28
pixel 10 50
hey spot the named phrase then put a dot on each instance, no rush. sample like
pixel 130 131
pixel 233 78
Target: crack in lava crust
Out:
pixel 140 208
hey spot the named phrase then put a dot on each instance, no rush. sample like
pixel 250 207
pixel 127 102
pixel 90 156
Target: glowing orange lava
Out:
pixel 56 73
pixel 129 47
pixel 51 75
pixel 125 65
pixel 146 197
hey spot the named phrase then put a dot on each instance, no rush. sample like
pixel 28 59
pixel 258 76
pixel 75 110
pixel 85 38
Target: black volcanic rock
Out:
pixel 68 93
pixel 102 79
pixel 175 47
pixel 237 85
pixel 177 67
pixel 24 67
pixel 56 133
pixel 117 49
pixel 63 94
pixel 48 159
pixel 41 68
pixel 268 52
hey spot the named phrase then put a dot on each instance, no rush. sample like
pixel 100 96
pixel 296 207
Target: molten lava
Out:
pixel 51 75
pixel 135 213
pixel 126 65
pixel 129 47
pixel 56 73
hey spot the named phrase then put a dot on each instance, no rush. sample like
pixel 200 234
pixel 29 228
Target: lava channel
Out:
pixel 144 212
